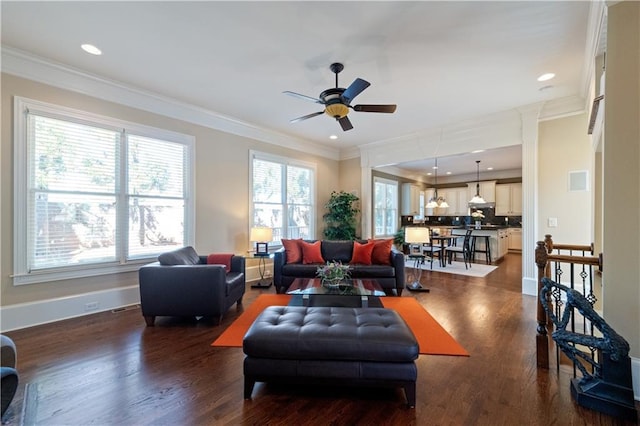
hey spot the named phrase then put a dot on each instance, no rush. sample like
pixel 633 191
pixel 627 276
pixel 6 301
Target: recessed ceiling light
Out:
pixel 429 174
pixel 477 151
pixel 448 173
pixel 90 48
pixel 547 76
pixel 333 137
pixel 489 168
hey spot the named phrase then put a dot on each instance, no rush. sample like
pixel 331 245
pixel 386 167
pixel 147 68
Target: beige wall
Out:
pixel 222 179
pixel 564 146
pixel 621 175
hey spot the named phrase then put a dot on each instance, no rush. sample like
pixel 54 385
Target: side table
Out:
pixel 263 282
pixel 418 260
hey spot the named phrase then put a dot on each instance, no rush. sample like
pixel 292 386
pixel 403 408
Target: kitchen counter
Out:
pixel 485 227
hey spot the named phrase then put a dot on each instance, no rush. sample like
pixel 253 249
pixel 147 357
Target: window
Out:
pixel 385 206
pixel 282 196
pixel 95 195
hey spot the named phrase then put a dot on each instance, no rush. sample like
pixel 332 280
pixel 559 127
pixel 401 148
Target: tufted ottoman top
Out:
pixel 321 333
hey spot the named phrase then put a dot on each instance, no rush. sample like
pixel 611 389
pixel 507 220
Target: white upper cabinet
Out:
pixel 457 200
pixel 487 190
pixel 411 200
pixel 509 199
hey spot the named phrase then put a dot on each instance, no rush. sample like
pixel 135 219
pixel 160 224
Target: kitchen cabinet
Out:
pixel 509 199
pixel 487 190
pixel 503 242
pixel 411 204
pixel 457 200
pixel 515 239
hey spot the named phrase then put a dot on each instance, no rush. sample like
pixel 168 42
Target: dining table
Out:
pixel 443 239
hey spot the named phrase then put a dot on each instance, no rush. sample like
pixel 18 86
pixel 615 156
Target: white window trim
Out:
pixel 21 275
pixel 289 162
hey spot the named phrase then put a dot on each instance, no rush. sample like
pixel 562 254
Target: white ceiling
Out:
pixel 440 62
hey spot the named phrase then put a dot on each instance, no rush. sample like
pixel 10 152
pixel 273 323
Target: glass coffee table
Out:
pixel 354 293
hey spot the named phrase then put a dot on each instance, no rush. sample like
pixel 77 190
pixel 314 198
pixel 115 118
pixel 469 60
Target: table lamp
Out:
pixel 261 235
pixel 416 236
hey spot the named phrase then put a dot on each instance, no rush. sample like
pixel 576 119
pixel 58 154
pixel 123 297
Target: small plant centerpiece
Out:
pixel 333 274
pixel 478 216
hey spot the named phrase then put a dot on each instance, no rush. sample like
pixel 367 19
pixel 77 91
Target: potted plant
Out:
pixel 398 240
pixel 341 218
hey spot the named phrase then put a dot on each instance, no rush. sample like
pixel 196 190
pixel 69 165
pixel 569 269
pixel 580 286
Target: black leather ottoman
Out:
pixel 320 345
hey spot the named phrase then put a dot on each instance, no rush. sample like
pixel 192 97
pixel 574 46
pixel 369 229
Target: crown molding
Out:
pixel 26 65
pixel 562 107
pixel 596 33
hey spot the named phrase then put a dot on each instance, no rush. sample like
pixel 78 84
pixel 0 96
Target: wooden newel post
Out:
pixel 542 338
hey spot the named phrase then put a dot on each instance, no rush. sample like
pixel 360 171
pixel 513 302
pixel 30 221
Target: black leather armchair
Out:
pixel 8 372
pixel 181 283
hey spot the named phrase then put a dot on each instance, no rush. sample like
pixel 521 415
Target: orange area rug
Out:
pixel 432 338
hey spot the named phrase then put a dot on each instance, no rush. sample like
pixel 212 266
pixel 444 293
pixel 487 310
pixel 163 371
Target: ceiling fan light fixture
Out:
pixel 337 110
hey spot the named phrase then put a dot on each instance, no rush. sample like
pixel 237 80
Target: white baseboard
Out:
pixel 22 315
pixel 529 286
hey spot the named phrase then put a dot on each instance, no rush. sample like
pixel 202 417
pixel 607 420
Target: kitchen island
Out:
pixel 498 238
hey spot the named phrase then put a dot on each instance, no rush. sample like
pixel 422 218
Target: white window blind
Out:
pixel 96 194
pixel 282 196
pixel 385 206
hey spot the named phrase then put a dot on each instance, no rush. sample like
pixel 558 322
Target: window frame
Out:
pixel 21 274
pixel 286 162
pixel 378 179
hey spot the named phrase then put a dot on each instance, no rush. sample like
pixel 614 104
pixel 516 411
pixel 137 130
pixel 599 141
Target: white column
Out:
pixel 529 118
pixel 366 199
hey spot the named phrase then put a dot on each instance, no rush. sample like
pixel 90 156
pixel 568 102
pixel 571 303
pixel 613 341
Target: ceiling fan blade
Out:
pixel 355 89
pixel 304 117
pixel 345 123
pixel 375 108
pixel 303 97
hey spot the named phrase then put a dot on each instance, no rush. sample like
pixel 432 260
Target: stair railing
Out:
pixel 553 260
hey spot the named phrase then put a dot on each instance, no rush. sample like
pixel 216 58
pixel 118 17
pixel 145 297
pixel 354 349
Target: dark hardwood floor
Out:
pixel 109 368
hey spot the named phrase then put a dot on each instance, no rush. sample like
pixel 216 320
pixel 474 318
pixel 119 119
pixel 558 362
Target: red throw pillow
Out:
pixel 381 254
pixel 311 252
pixel 293 251
pixel 362 253
pixel 220 259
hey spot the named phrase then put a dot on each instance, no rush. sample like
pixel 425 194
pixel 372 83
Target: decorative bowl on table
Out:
pixel 333 274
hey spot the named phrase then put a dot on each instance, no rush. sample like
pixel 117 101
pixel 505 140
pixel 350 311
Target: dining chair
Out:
pixel 464 248
pixel 431 250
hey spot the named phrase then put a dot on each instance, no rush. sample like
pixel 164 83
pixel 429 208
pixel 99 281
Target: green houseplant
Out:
pixel 398 240
pixel 341 217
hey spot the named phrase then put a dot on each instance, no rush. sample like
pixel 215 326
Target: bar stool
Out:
pixel 486 250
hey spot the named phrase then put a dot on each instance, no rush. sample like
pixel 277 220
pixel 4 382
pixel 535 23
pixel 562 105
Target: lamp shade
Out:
pixel 416 234
pixel 261 234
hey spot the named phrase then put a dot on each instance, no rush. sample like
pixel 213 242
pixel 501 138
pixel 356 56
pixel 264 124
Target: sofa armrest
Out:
pixel 279 259
pixel 397 261
pixel 238 264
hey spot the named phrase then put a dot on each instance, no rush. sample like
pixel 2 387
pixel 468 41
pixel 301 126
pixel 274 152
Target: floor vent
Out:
pixel 125 308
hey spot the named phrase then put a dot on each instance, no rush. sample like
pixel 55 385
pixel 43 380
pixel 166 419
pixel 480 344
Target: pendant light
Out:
pixel 435 201
pixel 477 199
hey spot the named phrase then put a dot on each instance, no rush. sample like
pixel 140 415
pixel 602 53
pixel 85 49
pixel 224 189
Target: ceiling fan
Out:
pixel 337 100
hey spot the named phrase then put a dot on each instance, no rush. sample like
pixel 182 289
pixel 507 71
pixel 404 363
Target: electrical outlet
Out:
pixel 552 222
pixel 91 306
